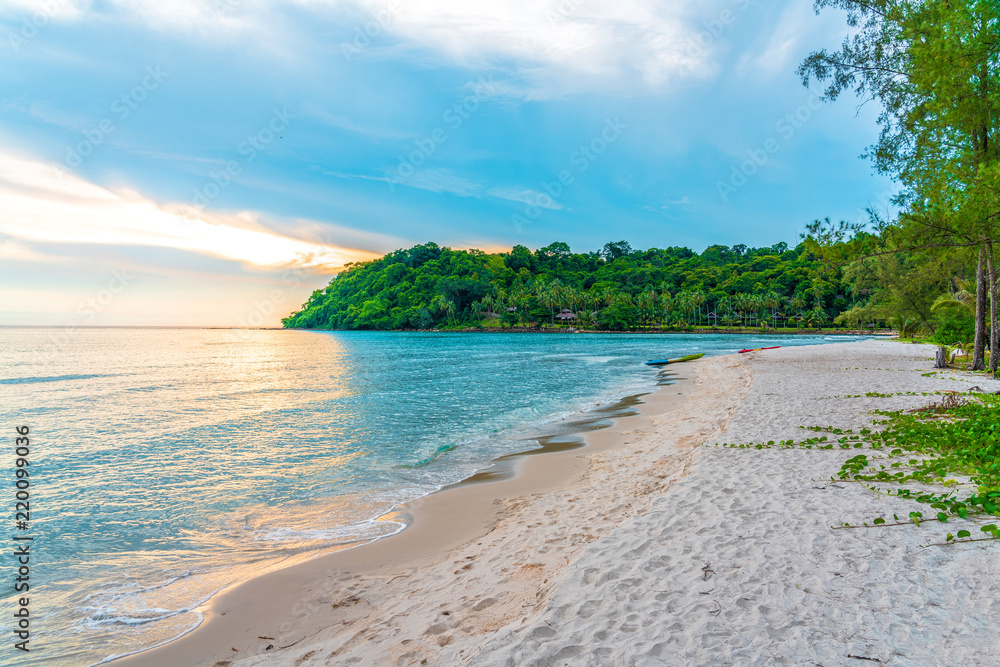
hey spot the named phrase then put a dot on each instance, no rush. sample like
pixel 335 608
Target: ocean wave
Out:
pixel 50 378
pixel 438 453
pixel 104 616
pixel 363 531
pixel 598 360
pixel 117 656
pixel 118 591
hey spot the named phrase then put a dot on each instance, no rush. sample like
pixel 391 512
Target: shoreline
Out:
pixel 556 330
pixel 649 546
pixel 446 520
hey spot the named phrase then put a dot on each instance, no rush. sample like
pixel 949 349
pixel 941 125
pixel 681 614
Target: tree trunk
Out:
pixel 994 316
pixel 978 352
pixel 941 358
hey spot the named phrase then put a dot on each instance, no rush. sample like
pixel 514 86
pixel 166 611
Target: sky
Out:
pixel 212 162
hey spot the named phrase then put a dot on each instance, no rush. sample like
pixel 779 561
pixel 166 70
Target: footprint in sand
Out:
pixel 589 608
pixel 483 604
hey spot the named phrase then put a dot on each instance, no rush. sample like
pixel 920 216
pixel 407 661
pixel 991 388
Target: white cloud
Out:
pixel 15 251
pixel 368 130
pixel 440 180
pixel 548 47
pixel 557 45
pixel 526 196
pixel 42 205
pixel 798 25
pixel 40 12
pixel 443 181
pixel 433 180
pixel 47 113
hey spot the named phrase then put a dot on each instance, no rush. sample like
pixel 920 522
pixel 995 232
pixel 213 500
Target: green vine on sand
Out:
pixel 949 449
pixel 875 394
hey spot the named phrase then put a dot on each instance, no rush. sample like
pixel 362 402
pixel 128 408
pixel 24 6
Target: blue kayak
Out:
pixel 664 362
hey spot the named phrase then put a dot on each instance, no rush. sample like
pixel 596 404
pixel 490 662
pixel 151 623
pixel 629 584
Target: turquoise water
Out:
pixel 167 464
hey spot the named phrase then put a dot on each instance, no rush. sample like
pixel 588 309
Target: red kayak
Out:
pixel 758 349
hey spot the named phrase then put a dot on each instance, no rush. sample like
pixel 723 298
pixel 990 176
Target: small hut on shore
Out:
pixel 566 315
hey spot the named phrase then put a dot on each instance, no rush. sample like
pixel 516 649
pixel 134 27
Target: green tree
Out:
pixel 616 250
pixel 933 65
pixel 441 303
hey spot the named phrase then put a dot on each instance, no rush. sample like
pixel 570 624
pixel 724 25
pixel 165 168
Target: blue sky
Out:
pixel 212 162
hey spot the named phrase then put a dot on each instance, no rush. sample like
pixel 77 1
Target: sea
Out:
pixel 168 464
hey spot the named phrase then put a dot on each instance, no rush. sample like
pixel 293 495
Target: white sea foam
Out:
pixel 356 532
pixel 104 616
pixel 116 590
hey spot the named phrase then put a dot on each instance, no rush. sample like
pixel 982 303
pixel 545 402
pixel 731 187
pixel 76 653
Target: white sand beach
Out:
pixel 648 548
pixel 736 564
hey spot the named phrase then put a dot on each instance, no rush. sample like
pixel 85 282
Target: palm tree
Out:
pixel 757 304
pixel 584 310
pixel 490 304
pixel 688 303
pixel 545 295
pixel 648 303
pixel 798 305
pixel 622 299
pixel 503 300
pixel 772 301
pixel 750 306
pixel 585 307
pixel 606 296
pixel 558 294
pixel 963 297
pixel 572 297
pixel 447 305
pixel 741 302
pixel 681 303
pixel 725 306
pixel 697 298
pixel 521 298
pixel 666 305
pixel 816 315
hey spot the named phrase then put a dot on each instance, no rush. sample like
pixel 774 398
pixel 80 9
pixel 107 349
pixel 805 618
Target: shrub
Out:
pixel 953 326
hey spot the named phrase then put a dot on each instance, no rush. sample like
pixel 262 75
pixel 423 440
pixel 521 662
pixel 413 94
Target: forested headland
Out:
pixel 616 288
